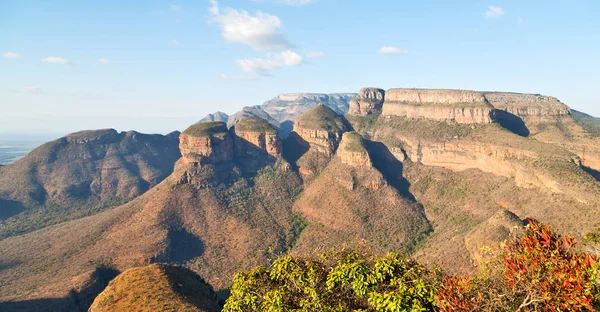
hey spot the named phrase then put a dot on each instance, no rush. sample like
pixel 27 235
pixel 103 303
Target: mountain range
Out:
pixel 437 174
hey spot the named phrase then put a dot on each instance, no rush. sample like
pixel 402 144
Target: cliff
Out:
pixel 256 144
pixel 461 106
pixel 321 128
pixel 369 101
pixel 255 112
pixel 204 143
pixel 528 107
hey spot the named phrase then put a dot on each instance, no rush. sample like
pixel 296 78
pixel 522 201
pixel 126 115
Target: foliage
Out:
pixel 538 271
pixel 255 125
pixel 336 281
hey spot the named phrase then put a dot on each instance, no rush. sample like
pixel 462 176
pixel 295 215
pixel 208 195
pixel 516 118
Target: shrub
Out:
pixel 538 271
pixel 335 282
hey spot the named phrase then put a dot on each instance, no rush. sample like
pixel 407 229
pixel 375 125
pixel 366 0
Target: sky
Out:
pixel 158 66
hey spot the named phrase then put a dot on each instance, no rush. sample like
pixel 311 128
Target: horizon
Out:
pixel 159 66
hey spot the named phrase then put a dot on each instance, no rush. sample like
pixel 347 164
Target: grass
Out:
pixel 206 129
pixel 589 123
pixel 255 125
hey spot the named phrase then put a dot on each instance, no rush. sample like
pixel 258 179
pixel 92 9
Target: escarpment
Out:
pixel 528 107
pixel 369 101
pixel 461 106
pixel 256 143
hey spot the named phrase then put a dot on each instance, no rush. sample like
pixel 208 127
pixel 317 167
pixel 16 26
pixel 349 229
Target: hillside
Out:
pixel 156 287
pixel 81 174
pixel 431 173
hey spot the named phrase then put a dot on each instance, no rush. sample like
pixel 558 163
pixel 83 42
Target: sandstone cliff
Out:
pixel 461 106
pixel 256 144
pixel 204 143
pixel 322 128
pixel 369 101
pixel 528 107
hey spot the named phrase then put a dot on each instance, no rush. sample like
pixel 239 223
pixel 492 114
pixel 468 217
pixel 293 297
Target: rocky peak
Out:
pixel 208 142
pixel 352 151
pixel 322 128
pixel 369 100
pixel 462 106
pixel 255 136
pixel 288 107
pixel 252 112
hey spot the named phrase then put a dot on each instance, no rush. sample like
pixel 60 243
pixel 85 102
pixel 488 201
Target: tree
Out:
pixel 336 281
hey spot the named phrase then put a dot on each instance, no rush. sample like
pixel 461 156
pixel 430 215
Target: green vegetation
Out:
pixel 322 117
pixel 535 271
pixel 255 125
pixel 335 282
pixel 353 142
pixel 589 123
pixel 206 129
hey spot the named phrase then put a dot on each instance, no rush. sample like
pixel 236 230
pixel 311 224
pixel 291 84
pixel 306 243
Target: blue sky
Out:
pixel 157 66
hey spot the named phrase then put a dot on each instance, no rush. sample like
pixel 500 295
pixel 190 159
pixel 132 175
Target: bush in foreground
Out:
pixel 536 271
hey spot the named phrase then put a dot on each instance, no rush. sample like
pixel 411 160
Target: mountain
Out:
pixel 81 174
pixel 218 116
pixel 287 107
pixel 157 287
pixel 437 174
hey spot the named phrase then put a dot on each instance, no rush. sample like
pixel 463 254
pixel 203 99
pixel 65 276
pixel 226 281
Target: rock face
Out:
pixel 218 116
pixel 369 100
pixel 204 143
pixel 461 106
pixel 322 128
pixel 352 151
pixel 528 107
pixel 261 135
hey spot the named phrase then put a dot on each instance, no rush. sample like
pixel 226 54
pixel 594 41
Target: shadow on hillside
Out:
pixel 9 208
pixel 75 301
pixel 592 172
pixel 285 128
pixel 293 148
pixel 251 157
pixel 182 246
pixel 512 123
pixel 390 167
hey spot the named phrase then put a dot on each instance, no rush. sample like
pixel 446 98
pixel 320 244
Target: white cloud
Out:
pixel 392 50
pixel 175 7
pixel 11 55
pixel 175 42
pixel 55 60
pixel 290 58
pixel 494 12
pixel 238 77
pixel 258 66
pixel 28 90
pixel 260 31
pixel 105 61
pixel 315 54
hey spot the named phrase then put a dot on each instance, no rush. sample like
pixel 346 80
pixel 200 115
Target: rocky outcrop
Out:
pixel 528 107
pixel 321 128
pixel 204 143
pixel 256 136
pixel 461 106
pixel 369 101
pixel 352 151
